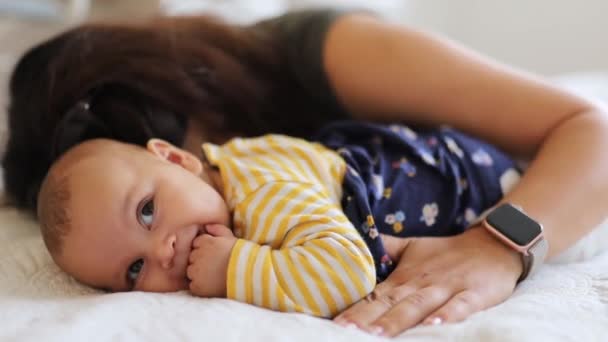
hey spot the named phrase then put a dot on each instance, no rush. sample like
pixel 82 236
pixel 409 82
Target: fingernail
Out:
pixel 434 321
pixel 350 326
pixel 375 330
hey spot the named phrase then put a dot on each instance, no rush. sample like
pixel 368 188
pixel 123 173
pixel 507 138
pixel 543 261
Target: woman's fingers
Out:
pixel 462 305
pixel 385 296
pixel 459 307
pixel 410 311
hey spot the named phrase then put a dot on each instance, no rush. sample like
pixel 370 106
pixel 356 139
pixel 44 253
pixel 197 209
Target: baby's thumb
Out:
pixel 217 229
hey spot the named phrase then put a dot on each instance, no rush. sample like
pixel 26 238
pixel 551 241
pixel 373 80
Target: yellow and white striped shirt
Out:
pixel 296 251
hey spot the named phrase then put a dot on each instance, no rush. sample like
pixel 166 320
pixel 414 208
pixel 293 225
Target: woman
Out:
pixel 195 79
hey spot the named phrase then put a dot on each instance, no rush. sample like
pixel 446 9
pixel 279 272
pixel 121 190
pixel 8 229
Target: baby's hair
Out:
pixel 53 212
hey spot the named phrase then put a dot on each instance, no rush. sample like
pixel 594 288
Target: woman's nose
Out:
pixel 165 251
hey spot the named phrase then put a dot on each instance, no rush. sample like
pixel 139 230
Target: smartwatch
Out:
pixel 520 232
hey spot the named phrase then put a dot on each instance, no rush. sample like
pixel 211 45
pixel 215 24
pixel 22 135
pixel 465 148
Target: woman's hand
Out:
pixel 208 262
pixel 438 280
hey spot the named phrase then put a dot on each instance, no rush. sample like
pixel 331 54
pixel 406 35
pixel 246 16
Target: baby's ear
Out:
pixel 175 155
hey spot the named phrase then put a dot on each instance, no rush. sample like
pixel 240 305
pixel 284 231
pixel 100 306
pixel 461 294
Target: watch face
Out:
pixel 514 224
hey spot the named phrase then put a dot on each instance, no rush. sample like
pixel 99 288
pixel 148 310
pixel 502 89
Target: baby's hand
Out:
pixel 208 262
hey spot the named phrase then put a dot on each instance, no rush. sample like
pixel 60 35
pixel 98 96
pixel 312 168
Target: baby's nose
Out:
pixel 166 251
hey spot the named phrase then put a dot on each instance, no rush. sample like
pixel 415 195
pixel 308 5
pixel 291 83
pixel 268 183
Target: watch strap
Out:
pixel 535 257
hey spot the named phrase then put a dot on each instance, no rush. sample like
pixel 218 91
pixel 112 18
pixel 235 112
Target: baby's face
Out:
pixel 134 214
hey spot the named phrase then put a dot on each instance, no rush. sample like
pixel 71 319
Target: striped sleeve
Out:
pixel 315 263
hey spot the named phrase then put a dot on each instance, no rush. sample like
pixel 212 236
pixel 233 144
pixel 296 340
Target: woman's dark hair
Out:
pixel 135 81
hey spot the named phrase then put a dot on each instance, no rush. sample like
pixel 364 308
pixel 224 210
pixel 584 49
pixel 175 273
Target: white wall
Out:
pixel 545 36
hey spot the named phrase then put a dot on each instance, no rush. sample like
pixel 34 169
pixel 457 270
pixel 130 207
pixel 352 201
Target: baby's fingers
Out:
pixel 204 240
pixel 191 271
pixel 201 249
pixel 217 229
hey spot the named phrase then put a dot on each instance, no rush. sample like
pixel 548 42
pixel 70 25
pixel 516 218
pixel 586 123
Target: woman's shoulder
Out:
pixel 292 22
pixel 301 35
pixel 303 31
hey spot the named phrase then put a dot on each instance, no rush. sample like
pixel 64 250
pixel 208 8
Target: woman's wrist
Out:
pixel 508 257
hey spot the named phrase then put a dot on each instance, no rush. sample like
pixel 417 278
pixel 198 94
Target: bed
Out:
pixel 566 300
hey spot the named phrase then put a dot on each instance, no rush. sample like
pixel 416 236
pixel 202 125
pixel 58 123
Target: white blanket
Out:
pixel 40 303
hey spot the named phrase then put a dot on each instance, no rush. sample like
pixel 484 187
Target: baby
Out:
pixel 274 221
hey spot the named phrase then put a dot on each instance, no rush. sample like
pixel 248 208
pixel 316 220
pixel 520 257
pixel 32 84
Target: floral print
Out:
pixel 388 192
pixel 429 159
pixel 373 233
pixel 406 166
pixel 395 220
pixel 508 180
pixel 481 157
pixel 453 147
pixel 378 188
pixel 469 215
pixel 404 131
pixel 415 183
pixel 429 213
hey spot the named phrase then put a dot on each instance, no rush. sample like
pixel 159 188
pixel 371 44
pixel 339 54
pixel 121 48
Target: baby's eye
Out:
pixel 134 270
pixel 145 214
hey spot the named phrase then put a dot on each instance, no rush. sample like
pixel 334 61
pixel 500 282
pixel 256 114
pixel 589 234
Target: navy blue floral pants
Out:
pixel 406 182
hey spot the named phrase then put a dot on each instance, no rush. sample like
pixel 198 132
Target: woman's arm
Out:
pixel 407 75
pixel 382 71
